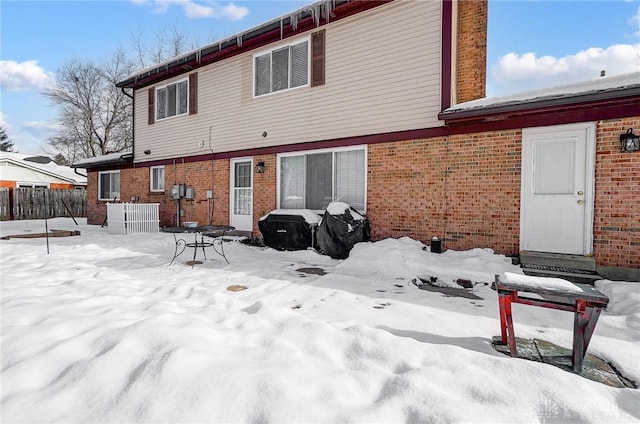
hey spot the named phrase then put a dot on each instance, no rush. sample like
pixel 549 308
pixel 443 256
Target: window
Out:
pixel 281 69
pixel 314 179
pixel 156 178
pixel 109 185
pixel 172 99
pixel 32 185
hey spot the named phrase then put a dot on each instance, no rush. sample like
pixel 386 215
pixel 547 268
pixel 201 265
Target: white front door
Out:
pixel 241 194
pixel 556 213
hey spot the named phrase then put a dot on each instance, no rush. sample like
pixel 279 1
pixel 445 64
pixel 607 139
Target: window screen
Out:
pixel 282 68
pixel 313 180
pixel 172 100
pixel 109 185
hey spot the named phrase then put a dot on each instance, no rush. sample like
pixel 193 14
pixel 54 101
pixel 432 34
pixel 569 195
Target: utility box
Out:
pixel 190 193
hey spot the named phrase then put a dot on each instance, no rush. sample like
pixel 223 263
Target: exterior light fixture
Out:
pixel 260 167
pixel 629 142
pixel 147 152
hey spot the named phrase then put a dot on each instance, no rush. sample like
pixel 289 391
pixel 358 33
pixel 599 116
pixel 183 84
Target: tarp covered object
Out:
pixel 284 229
pixel 340 229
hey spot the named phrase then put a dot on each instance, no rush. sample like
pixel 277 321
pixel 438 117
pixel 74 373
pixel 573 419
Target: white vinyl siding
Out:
pixel 172 100
pixel 156 178
pixel 382 74
pixel 312 180
pixel 109 185
pixel 281 68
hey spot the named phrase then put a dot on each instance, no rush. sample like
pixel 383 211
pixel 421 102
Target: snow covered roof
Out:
pixel 307 17
pixel 108 159
pixel 44 165
pixel 602 88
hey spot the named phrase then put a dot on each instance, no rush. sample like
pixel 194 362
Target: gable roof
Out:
pixel 619 88
pixel 43 165
pixel 309 17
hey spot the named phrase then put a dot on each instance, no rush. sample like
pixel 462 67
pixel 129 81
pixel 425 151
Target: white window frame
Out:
pixel 270 51
pixel 100 174
pixel 157 102
pixel 333 170
pixel 151 187
pixel 32 185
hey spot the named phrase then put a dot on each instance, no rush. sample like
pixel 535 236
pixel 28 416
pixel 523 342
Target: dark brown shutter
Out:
pixel 193 93
pixel 152 105
pixel 317 58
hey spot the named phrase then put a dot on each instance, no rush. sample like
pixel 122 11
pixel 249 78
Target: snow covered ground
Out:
pixel 102 330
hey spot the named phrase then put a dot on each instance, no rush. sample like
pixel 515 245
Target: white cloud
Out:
pixel 198 9
pixel 41 128
pixel 522 72
pixel 233 12
pixel 28 137
pixel 635 21
pixel 24 76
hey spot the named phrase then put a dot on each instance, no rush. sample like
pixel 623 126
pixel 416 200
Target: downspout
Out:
pixel 133 120
pixel 75 170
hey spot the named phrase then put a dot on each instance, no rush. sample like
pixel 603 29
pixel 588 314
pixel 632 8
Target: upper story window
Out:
pixel 109 185
pixel 156 178
pixel 282 68
pixel 172 99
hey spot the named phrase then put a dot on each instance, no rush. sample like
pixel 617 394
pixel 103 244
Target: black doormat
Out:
pixel 558 269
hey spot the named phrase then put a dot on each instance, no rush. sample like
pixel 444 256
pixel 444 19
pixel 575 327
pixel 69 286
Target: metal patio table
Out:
pixel 214 232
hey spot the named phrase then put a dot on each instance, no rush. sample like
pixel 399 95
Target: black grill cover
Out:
pixel 286 232
pixel 337 234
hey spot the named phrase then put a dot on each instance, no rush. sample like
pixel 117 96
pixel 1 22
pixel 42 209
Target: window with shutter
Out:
pixel 314 179
pixel 283 68
pixel 172 99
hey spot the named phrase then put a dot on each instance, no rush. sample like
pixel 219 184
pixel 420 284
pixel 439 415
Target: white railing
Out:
pixel 129 218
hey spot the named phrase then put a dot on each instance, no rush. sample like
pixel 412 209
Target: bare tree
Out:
pixel 167 42
pixel 95 116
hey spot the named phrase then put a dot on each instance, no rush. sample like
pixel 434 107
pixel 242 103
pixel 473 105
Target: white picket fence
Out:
pixel 129 218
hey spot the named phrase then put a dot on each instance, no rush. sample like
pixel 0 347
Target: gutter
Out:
pixel 304 19
pixel 122 159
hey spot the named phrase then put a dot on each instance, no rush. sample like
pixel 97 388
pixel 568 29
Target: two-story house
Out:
pixel 371 103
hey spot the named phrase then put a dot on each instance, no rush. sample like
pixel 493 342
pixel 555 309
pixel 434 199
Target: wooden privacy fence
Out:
pixel 128 218
pixel 39 203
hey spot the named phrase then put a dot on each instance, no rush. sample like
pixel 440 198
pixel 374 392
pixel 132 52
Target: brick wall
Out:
pixel 616 228
pixel 462 189
pixel 467 192
pixel 471 60
pixel 264 193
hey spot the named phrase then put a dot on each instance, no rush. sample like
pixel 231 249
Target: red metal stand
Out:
pixel 586 306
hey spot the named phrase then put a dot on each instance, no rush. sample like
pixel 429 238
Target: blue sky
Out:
pixel 531 44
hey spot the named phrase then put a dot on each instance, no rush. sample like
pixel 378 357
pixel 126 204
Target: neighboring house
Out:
pixel 18 170
pixel 366 102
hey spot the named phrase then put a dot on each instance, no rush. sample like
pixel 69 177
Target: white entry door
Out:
pixel 241 194
pixel 556 213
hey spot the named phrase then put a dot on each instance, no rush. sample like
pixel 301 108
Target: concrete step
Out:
pixel 586 263
pixel 570 274
pixel 575 268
